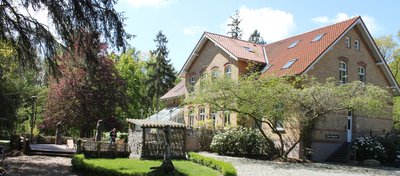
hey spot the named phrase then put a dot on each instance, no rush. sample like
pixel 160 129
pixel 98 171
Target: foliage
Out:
pixel 242 141
pixel 369 148
pixel 297 102
pixel 134 167
pixel 28 36
pixel 255 37
pixel 235 31
pixel 81 97
pixel 226 168
pixel 391 142
pixel 132 69
pixel 388 47
pixel 161 73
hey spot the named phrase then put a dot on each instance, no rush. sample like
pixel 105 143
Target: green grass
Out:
pixel 125 166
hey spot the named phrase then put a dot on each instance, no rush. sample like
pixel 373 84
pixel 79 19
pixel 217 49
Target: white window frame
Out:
pixel 362 76
pixel 343 72
pixel 214 73
pixel 348 42
pixel 191 117
pixel 357 45
pixel 227 118
pixel 202 114
pixel 228 71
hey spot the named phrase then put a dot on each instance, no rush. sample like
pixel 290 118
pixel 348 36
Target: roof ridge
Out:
pixel 354 18
pixel 206 32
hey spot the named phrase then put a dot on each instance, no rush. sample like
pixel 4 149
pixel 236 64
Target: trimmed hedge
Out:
pixel 226 168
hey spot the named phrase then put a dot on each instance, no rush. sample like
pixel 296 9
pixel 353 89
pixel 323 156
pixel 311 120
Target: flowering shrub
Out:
pixel 242 141
pixel 391 142
pixel 369 148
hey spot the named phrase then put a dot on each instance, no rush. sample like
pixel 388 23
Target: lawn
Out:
pixel 141 167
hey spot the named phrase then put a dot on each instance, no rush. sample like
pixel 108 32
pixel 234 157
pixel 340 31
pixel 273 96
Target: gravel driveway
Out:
pixel 39 165
pixel 247 167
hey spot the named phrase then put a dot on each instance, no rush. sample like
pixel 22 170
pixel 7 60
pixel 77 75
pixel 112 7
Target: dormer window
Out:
pixel 356 45
pixel 289 64
pixel 318 37
pixel 348 42
pixel 294 44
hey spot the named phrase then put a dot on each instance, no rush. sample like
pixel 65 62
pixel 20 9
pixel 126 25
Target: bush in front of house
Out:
pixel 369 148
pixel 224 167
pixel 242 141
pixel 391 142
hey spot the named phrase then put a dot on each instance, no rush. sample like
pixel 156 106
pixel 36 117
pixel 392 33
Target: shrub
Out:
pixel 224 167
pixel 242 141
pixel 369 148
pixel 391 142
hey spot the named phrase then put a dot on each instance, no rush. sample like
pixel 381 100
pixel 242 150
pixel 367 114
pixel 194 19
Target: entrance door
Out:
pixel 349 126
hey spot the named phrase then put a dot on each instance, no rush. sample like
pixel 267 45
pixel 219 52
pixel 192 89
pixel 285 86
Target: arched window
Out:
pixel 227 118
pixel 361 74
pixel 228 71
pixel 191 117
pixel 202 114
pixel 343 72
pixel 214 73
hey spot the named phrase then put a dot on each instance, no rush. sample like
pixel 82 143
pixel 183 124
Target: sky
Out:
pixel 184 21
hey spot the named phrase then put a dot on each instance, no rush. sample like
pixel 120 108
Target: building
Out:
pixel 344 51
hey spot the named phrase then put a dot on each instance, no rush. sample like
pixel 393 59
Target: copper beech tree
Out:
pixel 292 101
pixel 81 97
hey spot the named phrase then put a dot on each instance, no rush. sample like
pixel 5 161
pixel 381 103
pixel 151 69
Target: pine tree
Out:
pixel 161 73
pixel 235 31
pixel 255 37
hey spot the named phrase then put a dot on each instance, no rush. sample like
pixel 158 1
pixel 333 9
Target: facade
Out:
pixel 344 51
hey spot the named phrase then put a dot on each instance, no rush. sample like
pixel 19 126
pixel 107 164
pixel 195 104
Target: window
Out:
pixel 343 72
pixel 202 114
pixel 228 71
pixel 214 73
pixel 227 118
pixel 318 37
pixel 249 49
pixel 191 117
pixel 289 64
pixel 294 44
pixel 361 74
pixel 214 117
pixel 348 42
pixel 279 108
pixel 202 80
pixel 192 80
pixel 357 45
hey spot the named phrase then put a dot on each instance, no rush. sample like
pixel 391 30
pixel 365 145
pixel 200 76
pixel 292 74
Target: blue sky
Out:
pixel 184 21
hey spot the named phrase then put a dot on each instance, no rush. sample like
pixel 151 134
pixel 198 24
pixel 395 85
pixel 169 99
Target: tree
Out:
pixel 255 37
pixel 299 103
pixel 388 47
pixel 161 73
pixel 80 98
pixel 235 31
pixel 28 36
pixel 132 69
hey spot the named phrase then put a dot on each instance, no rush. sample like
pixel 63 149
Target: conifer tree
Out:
pixel 255 37
pixel 235 31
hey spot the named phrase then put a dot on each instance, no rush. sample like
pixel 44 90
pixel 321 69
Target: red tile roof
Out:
pixel 306 51
pixel 239 48
pixel 178 90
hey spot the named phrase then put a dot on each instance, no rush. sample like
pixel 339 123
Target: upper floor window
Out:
pixel 343 72
pixel 191 116
pixel 214 73
pixel 318 37
pixel 202 114
pixel 228 71
pixel 294 44
pixel 356 45
pixel 289 64
pixel 227 118
pixel 361 74
pixel 348 42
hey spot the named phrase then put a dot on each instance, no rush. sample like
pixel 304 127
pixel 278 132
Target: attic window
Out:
pixel 249 49
pixel 289 64
pixel 294 44
pixel 318 37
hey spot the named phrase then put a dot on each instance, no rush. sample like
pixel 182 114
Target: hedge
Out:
pixel 224 167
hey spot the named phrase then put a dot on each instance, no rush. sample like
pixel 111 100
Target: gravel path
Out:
pixel 252 167
pixel 38 165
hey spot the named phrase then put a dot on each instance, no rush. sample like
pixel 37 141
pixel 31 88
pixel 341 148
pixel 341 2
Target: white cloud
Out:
pixel 368 20
pixel 272 24
pixel 142 3
pixel 194 30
